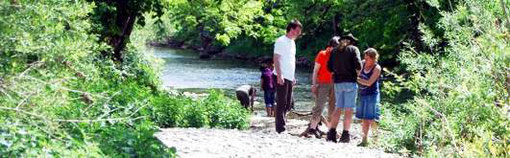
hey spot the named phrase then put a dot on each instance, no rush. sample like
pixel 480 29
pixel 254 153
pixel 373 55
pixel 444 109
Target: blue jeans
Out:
pixel 345 94
pixel 269 98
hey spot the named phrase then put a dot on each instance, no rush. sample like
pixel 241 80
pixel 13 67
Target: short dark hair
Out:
pixel 293 25
pixel 334 41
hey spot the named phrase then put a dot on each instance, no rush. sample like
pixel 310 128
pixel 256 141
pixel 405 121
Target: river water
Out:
pixel 183 70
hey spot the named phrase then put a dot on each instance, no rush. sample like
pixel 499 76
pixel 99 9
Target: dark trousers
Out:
pixel 283 104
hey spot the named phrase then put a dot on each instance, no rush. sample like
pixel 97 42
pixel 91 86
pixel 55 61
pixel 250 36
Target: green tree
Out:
pixel 253 27
pixel 459 91
pixel 114 21
pixel 210 22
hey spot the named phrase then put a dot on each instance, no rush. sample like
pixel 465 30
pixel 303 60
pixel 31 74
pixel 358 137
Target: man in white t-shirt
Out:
pixel 285 67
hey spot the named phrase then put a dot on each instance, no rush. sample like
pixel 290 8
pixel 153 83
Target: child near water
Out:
pixel 267 84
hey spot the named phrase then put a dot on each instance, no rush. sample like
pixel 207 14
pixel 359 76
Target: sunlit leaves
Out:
pixel 463 86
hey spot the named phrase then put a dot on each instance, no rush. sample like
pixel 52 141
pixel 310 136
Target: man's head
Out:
pixel 348 39
pixel 333 42
pixel 294 29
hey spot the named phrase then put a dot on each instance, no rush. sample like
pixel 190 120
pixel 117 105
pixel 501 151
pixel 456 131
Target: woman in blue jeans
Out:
pixel 368 109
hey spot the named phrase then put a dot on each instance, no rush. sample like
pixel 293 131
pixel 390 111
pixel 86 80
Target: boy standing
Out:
pixel 267 84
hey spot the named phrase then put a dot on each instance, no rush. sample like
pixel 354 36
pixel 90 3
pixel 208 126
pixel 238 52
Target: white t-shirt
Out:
pixel 286 48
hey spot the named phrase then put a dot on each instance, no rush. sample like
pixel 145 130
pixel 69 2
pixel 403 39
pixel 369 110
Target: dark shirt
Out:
pixel 372 89
pixel 267 79
pixel 343 63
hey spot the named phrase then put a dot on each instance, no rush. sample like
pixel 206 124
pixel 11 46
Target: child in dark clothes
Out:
pixel 267 84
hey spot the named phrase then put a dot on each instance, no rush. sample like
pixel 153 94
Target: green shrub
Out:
pixel 459 104
pixel 168 111
pixel 224 112
pixel 215 110
pixel 59 97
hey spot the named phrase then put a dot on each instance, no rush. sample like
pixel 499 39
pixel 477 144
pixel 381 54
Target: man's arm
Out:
pixel 314 78
pixel 331 60
pixel 252 101
pixel 357 60
pixel 277 67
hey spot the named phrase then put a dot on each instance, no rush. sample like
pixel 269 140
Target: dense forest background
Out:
pixel 250 27
pixel 75 81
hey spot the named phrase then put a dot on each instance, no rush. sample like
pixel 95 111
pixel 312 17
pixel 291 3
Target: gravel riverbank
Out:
pixel 262 141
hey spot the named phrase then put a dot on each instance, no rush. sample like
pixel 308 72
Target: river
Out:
pixel 183 70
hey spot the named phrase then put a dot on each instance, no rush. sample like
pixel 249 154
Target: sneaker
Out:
pixel 331 135
pixel 346 137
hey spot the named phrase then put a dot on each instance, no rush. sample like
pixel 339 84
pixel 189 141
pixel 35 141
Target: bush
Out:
pixel 215 110
pixel 459 104
pixel 224 112
pixel 60 97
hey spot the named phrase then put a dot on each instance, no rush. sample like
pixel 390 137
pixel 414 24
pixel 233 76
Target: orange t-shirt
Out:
pixel 324 76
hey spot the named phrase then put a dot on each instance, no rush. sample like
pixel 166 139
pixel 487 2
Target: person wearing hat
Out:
pixel 322 88
pixel 345 64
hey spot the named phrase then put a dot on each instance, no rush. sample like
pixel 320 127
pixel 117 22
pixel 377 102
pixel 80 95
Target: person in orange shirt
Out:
pixel 322 88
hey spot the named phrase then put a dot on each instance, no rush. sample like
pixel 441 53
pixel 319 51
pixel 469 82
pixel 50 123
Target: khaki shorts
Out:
pixel 325 93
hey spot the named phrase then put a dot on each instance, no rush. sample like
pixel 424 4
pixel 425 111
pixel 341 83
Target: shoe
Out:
pixel 346 137
pixel 315 132
pixel 321 133
pixel 308 132
pixel 331 135
pixel 363 144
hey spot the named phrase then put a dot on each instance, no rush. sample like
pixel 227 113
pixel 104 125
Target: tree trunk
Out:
pixel 125 22
pixel 414 19
pixel 335 22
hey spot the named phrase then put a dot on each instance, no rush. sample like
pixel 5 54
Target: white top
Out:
pixel 286 48
pixel 244 88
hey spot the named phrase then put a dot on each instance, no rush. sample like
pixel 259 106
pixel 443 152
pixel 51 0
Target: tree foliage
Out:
pixel 460 102
pixel 59 96
pixel 114 20
pixel 382 24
